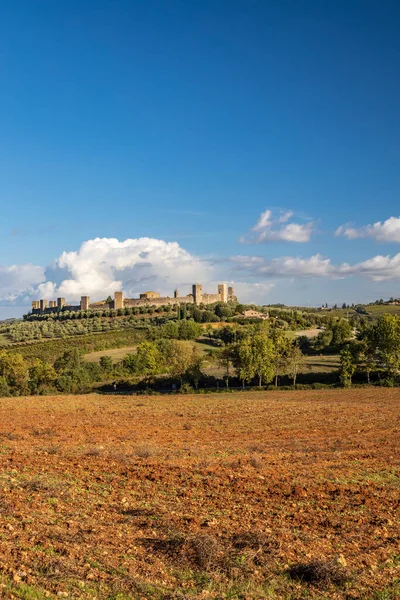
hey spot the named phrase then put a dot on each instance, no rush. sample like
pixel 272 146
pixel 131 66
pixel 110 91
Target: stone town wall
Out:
pixel 131 302
pixel 211 298
pixel 146 299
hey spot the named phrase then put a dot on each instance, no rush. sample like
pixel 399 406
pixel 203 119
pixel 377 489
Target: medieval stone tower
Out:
pixel 223 292
pixel 197 291
pixel 85 302
pixel 118 299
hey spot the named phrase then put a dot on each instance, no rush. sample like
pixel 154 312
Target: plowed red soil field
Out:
pixel 246 495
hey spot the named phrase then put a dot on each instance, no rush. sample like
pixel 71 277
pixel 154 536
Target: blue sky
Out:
pixel 184 122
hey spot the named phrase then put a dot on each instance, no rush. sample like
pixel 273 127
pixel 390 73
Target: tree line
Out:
pixel 256 355
pixel 376 350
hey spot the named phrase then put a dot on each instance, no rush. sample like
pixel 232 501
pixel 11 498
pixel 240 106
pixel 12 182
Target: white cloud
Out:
pixel 272 229
pixel 19 279
pixel 386 231
pixel 286 266
pixel 378 268
pixel 252 293
pixel 103 265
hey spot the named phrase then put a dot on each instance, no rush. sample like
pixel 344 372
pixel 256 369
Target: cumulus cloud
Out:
pixel 273 229
pixel 386 231
pixel 103 265
pixel 252 293
pixel 285 266
pixel 378 268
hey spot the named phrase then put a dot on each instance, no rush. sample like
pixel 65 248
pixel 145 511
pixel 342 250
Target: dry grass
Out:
pixel 320 572
pixel 117 354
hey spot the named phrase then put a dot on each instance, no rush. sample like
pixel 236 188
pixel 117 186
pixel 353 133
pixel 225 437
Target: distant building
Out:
pixel 149 295
pixel 255 314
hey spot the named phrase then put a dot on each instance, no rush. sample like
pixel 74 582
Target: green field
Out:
pixel 117 354
pixel 377 310
pixel 4 341
pixel 321 364
pixel 374 311
pixel 50 350
pixel 310 333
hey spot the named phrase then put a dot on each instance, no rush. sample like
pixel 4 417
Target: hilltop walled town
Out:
pixel 224 294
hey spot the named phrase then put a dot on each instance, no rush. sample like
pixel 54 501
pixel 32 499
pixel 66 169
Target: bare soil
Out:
pixel 246 495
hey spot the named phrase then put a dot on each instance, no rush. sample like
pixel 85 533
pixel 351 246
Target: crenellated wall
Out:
pixel 145 299
pixel 131 302
pixel 211 298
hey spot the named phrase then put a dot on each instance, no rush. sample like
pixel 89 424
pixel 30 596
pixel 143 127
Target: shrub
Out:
pixel 145 451
pixel 319 572
pixel 186 388
pixel 4 388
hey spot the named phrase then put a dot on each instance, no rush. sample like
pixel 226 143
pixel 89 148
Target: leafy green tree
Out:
pixel 228 334
pixel 130 363
pixel 262 349
pixel 295 359
pixel 69 361
pixel 323 340
pixel 14 371
pixel 189 330
pixel 210 331
pixel 149 359
pixel 341 332
pixel 348 366
pixel 222 311
pixel 5 389
pixel 106 364
pixel 243 360
pixel 198 315
pixel 42 376
pixel 387 340
pixel 280 349
pixel 179 359
pixel 164 347
pixel 74 383
pixel 73 375
pixel 194 370
pixel 224 358
pixel 368 350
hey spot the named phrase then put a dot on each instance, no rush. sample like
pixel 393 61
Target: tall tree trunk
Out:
pixel 259 380
pixel 294 380
pixel 368 381
pixel 276 379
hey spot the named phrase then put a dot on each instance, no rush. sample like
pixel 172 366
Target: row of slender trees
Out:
pixel 260 355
